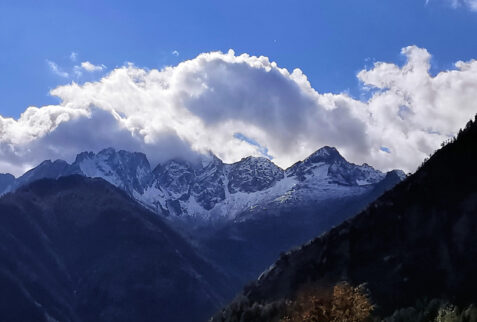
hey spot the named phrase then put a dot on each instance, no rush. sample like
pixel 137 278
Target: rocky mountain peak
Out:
pixel 325 154
pixel 209 160
pixel 253 174
pixel 84 155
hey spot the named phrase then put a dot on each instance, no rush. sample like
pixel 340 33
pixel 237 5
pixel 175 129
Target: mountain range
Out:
pixel 109 236
pixel 209 189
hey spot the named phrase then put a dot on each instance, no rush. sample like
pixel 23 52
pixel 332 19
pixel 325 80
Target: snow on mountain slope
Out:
pixel 126 170
pixel 212 190
pixel 210 182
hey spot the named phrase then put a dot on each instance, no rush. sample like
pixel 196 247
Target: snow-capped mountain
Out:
pixel 327 163
pixel 126 170
pixel 210 189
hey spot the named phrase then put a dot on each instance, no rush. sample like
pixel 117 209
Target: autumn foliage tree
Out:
pixel 344 303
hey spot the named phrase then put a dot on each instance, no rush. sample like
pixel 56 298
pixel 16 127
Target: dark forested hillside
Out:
pixel 79 249
pixel 416 242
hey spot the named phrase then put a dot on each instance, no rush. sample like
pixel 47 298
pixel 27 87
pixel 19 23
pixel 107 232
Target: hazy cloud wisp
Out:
pixel 470 4
pixel 56 69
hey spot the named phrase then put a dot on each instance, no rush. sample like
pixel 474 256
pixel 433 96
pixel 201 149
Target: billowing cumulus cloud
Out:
pixel 240 105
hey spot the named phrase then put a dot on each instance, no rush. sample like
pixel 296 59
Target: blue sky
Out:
pixel 385 82
pixel 329 40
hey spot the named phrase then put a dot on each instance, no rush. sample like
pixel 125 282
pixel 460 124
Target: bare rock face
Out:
pixel 253 174
pixel 209 186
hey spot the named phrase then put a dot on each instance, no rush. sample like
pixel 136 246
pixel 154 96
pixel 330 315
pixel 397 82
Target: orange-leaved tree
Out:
pixel 343 303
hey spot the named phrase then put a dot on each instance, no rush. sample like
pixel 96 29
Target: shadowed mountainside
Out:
pixel 80 249
pixel 417 241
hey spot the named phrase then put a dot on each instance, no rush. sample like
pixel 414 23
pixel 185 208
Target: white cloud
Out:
pixel 413 111
pixel 86 65
pixel 175 53
pixel 201 104
pixel 56 69
pixel 77 70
